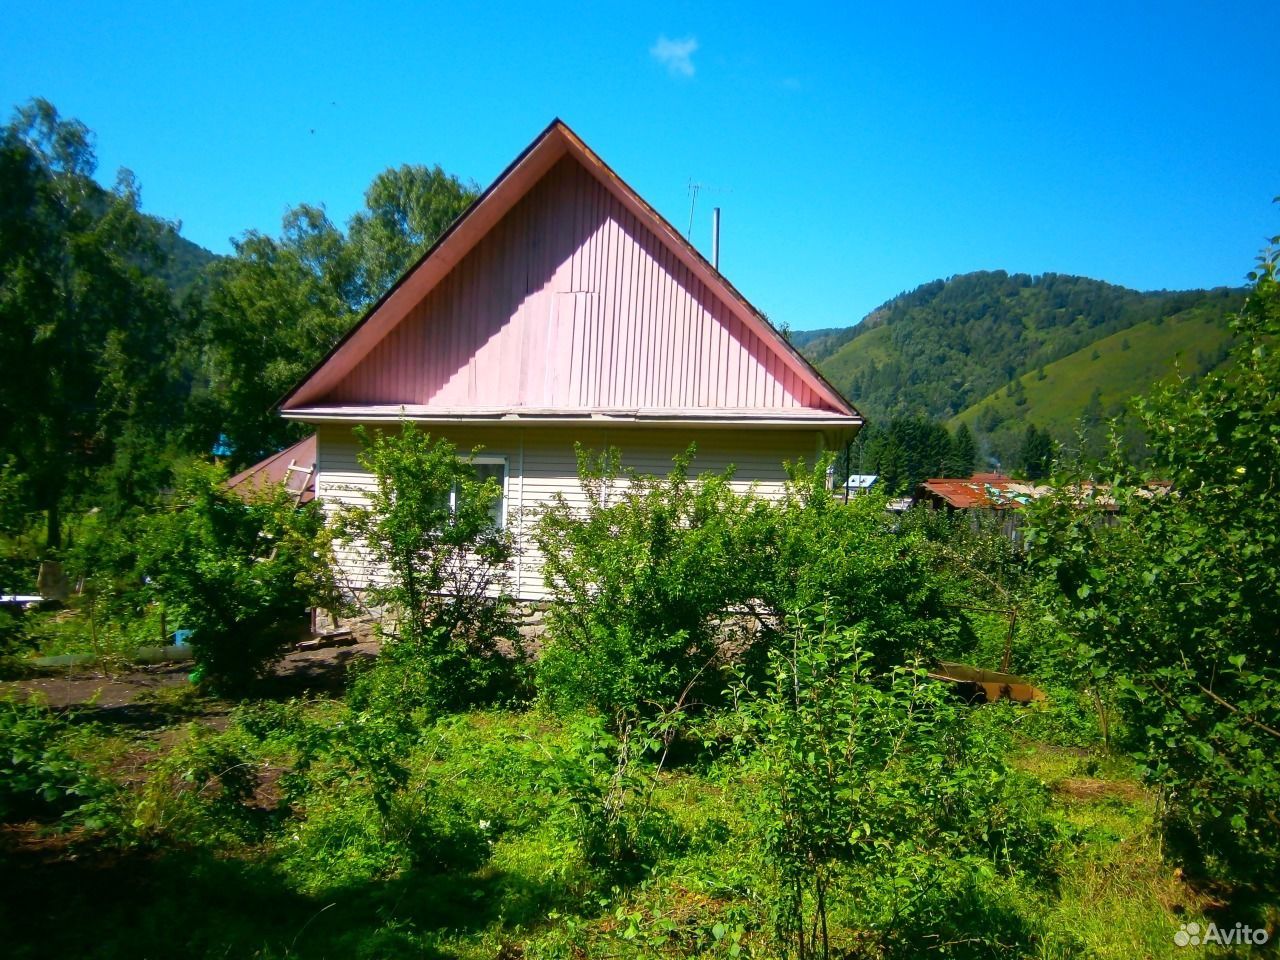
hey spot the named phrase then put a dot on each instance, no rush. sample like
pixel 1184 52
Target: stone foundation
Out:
pixel 529 618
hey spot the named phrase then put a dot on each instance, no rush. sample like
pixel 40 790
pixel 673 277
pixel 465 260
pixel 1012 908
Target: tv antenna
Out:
pixel 694 190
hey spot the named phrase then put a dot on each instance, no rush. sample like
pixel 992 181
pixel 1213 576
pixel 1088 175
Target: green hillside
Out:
pixel 1017 345
pixel 184 261
pixel 1097 381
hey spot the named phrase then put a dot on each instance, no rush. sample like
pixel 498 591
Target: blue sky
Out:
pixel 857 150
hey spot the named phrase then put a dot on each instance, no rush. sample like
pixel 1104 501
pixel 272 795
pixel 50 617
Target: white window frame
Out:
pixel 487 460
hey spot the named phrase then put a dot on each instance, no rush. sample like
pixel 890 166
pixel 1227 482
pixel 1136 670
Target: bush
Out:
pixel 604 782
pixel 14 642
pixel 647 577
pixel 860 564
pixel 637 582
pixel 41 779
pixel 353 806
pixel 1173 596
pixel 238 573
pixel 876 791
pixel 205 790
pixel 428 525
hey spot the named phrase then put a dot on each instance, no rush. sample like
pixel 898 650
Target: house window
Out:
pixel 492 468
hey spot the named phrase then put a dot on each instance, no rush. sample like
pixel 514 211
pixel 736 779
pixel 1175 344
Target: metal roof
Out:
pixel 861 481
pixel 734 355
pixel 993 491
pixel 275 469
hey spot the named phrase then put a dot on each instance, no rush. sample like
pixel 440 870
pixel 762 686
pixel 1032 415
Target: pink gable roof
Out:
pixel 561 293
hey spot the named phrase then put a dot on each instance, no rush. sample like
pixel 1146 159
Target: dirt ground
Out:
pixel 125 697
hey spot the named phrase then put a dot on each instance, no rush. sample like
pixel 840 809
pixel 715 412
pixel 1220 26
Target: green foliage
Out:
pixel 15 504
pixel 637 579
pixel 602 777
pixel 429 524
pixel 41 778
pixel 1036 456
pixel 88 334
pixel 654 577
pixel 859 563
pixel 1177 603
pixel 205 791
pixel 268 314
pixel 238 573
pixel 964 453
pixel 264 317
pixel 907 451
pixel 348 836
pixel 878 793
pixel 947 344
pixel 114 612
pixel 406 209
pixel 1192 340
pixel 477 851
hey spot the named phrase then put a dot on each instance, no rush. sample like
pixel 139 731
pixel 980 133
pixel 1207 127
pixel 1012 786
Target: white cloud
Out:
pixel 676 55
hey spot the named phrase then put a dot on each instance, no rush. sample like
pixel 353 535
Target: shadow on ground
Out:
pixel 152 697
pixel 64 902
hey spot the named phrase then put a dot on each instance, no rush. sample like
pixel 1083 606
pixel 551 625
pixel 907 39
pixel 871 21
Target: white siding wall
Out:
pixel 541 463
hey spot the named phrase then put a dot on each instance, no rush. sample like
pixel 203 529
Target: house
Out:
pixel 997 495
pixel 859 483
pixel 982 491
pixel 562 308
pixel 992 494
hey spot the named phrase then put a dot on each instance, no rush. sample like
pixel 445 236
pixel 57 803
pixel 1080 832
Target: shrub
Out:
pixel 1176 599
pixel 339 840
pixel 875 790
pixel 14 642
pixel 861 565
pixel 205 790
pixel 41 779
pixel 352 808
pixel 428 525
pixel 237 573
pixel 637 581
pixel 602 779
pixel 646 576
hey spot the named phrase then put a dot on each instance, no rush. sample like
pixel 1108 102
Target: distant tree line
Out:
pixel 909 450
pixel 906 451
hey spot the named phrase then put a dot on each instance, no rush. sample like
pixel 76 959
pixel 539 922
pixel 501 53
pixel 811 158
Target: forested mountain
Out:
pixel 951 345
pixel 183 261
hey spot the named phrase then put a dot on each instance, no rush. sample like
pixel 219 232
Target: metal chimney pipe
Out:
pixel 715 238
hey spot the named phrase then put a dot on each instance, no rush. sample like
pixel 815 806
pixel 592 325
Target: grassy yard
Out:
pixel 199 867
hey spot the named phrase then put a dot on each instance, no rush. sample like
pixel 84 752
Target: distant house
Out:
pixel 983 491
pixel 562 308
pixel 991 493
pixel 1002 496
pixel 858 483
